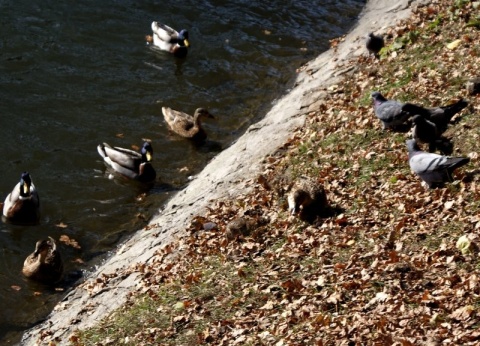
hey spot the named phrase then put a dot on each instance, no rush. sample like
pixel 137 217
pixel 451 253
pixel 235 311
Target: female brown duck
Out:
pixel 45 263
pixel 185 125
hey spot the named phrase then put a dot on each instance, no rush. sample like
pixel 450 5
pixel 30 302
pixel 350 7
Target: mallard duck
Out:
pixel 168 39
pixel 185 125
pixel 128 162
pixel 307 196
pixel 45 263
pixel 22 205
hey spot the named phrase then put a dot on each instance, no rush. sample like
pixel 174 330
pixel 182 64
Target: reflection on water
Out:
pixel 74 75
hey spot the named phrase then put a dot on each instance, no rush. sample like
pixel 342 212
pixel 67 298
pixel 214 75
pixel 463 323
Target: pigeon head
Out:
pixel 377 96
pixel 412 145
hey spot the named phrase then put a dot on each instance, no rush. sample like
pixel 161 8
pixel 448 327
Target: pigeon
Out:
pixel 307 197
pixel 374 43
pixel 440 116
pixel 425 131
pixel 390 112
pixel 433 169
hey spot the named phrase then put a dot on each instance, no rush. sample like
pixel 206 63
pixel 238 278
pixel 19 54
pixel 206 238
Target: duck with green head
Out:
pixel 129 163
pixel 22 205
pixel 170 40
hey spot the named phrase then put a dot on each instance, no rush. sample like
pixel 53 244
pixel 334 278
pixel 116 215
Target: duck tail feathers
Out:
pixel 101 150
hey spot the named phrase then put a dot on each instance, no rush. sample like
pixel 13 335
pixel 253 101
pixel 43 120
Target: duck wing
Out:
pixel 126 158
pixel 11 199
pixel 164 32
pixel 178 121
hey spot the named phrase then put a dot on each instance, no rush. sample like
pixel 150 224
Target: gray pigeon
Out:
pixel 374 43
pixel 440 116
pixel 433 169
pixel 390 112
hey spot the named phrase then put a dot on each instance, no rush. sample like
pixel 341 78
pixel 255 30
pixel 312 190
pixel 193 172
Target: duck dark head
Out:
pixel 202 112
pixel 183 38
pixel 43 246
pixel 183 34
pixel 25 183
pixel 147 152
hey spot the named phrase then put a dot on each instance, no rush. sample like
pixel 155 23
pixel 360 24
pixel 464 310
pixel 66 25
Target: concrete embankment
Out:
pixel 226 176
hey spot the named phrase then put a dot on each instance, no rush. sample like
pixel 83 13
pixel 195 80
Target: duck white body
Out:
pixel 170 40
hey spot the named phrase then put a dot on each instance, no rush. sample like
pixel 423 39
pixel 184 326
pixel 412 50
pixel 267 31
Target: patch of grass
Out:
pixel 434 25
pixel 215 287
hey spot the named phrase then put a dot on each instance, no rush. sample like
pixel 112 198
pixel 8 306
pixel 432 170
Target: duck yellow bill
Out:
pixel 149 156
pixel 186 43
pixel 25 188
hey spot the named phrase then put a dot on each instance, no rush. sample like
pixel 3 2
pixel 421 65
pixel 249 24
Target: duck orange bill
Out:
pixel 186 43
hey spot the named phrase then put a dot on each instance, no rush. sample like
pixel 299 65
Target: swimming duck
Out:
pixel 168 39
pixel 22 205
pixel 128 162
pixel 185 125
pixel 45 263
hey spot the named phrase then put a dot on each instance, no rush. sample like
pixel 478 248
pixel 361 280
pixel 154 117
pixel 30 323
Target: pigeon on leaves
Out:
pixel 424 131
pixel 390 112
pixel 440 116
pixel 374 43
pixel 433 169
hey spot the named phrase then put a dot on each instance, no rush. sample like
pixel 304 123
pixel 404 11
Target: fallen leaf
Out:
pixel 454 44
pixel 463 244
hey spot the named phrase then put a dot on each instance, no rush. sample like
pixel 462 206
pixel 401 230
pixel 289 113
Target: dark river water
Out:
pixel 74 74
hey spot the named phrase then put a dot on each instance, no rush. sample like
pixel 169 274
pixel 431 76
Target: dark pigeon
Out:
pixel 424 131
pixel 433 169
pixel 390 112
pixel 440 116
pixel 374 43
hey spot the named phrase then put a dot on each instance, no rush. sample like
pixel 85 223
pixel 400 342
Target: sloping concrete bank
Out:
pixel 224 177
